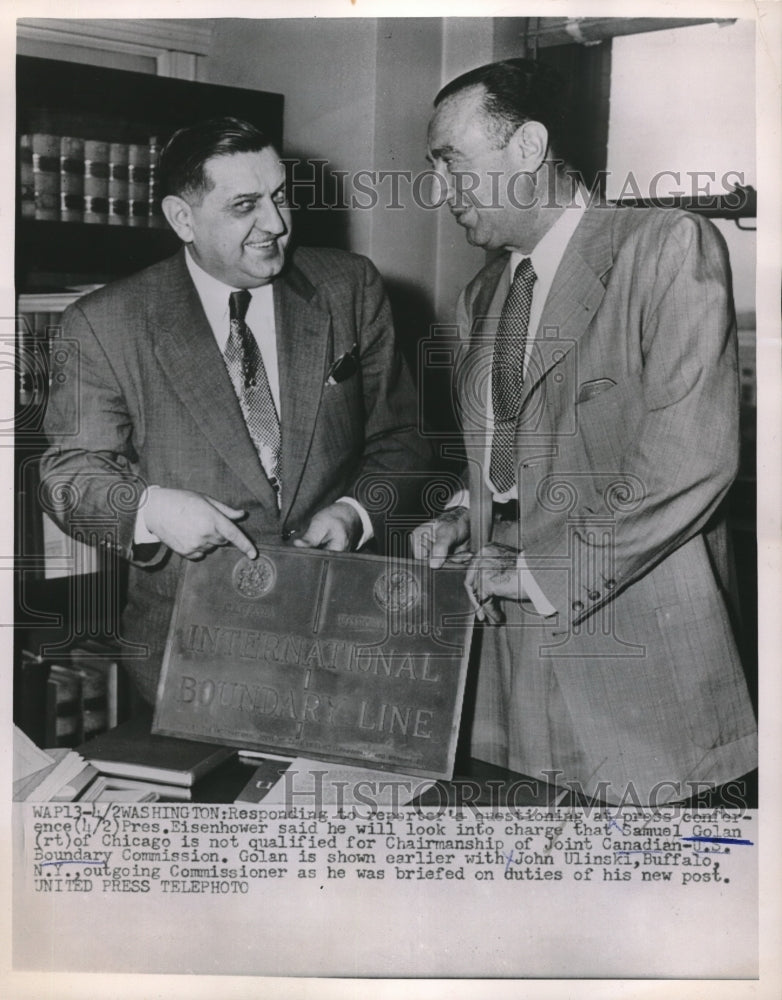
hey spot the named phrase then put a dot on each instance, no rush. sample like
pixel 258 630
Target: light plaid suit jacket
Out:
pixel 626 445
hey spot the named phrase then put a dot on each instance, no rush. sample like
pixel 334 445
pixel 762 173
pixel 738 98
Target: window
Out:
pixel 682 118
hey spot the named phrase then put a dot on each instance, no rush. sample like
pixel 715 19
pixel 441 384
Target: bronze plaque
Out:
pixel 351 658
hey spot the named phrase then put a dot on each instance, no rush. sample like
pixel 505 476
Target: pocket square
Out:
pixel 588 390
pixel 345 366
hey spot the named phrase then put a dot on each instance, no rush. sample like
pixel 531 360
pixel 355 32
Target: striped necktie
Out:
pixel 251 385
pixel 507 375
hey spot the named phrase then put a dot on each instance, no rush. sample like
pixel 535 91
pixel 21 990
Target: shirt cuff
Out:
pixel 460 499
pixel 540 602
pixel 367 530
pixel 141 533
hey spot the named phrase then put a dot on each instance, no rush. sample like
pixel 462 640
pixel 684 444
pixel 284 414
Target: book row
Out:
pixel 69 179
pixel 34 334
pixel 63 703
pixel 42 357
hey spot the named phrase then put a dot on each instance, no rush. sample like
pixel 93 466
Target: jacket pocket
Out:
pixel 606 423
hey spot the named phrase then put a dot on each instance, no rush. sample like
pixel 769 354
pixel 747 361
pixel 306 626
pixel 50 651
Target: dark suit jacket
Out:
pixel 626 444
pixel 148 400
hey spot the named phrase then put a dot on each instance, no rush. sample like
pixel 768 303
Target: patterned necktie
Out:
pixel 251 385
pixel 507 375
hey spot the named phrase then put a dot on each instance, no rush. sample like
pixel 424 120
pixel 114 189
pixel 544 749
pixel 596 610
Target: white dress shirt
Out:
pixel 215 298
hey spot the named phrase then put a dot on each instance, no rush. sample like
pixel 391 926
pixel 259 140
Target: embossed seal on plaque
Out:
pixel 396 590
pixel 254 578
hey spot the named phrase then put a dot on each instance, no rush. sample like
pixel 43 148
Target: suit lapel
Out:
pixel 493 290
pixel 573 300
pixel 475 392
pixel 475 370
pixel 303 339
pixel 574 297
pixel 187 351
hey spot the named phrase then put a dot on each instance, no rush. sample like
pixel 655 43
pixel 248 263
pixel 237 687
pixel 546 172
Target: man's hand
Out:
pixel 337 528
pixel 446 535
pixel 193 524
pixel 493 573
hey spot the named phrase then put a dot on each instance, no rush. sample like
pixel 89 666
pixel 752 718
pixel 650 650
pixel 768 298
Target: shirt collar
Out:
pixel 214 295
pixel 548 254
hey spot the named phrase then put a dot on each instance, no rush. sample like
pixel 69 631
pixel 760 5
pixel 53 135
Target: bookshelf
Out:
pixel 112 106
pixel 60 584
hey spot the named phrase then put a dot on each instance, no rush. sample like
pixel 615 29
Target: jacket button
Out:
pixel 610 584
pixel 578 605
pixel 593 595
pixel 286 534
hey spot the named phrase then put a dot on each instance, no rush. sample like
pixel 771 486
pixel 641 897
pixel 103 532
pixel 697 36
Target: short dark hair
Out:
pixel 517 91
pixel 184 156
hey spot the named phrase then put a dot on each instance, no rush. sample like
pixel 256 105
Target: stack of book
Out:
pixel 71 179
pixel 131 759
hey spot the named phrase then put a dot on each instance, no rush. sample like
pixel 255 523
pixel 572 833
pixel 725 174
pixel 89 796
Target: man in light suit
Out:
pixel 597 388
pixel 239 392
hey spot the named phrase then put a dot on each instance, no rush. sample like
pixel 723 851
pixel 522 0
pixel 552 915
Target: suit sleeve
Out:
pixel 679 459
pixel 395 454
pixel 89 473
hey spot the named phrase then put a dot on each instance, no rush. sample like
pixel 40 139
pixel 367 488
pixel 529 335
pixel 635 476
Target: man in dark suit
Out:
pixel 598 395
pixel 239 392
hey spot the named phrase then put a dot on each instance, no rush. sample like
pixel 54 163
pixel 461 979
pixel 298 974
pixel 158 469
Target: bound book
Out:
pixel 26 182
pixel 118 184
pixel 94 699
pixel 131 751
pixel 96 181
pixel 71 179
pixel 63 707
pixel 25 360
pixel 46 176
pixel 265 776
pixel 138 184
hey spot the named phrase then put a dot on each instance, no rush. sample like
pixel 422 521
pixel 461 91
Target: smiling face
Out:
pixel 487 183
pixel 239 229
